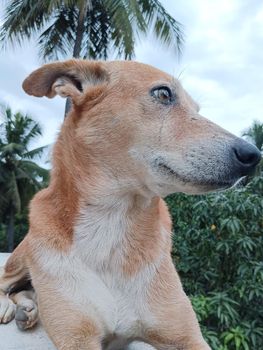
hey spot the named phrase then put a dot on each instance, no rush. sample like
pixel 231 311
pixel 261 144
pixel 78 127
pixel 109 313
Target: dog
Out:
pixel 98 249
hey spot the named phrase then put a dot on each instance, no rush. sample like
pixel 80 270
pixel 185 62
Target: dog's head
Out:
pixel 141 128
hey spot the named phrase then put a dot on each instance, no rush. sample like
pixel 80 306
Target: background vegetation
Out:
pixel 218 252
pixel 20 176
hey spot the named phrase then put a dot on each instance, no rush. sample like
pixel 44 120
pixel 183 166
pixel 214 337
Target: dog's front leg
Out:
pixel 175 326
pixel 67 326
pixel 75 307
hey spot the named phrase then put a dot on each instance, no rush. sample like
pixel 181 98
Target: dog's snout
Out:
pixel 247 155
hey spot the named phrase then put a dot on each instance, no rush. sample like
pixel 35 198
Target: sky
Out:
pixel 221 65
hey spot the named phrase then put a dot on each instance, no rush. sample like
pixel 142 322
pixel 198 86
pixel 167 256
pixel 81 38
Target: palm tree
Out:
pixel 255 134
pixel 20 177
pixel 88 28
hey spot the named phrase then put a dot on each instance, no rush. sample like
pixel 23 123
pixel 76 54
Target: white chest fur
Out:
pixel 100 234
pixel 99 242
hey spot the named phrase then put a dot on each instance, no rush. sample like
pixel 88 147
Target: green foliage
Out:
pixel 218 251
pixel 20 176
pixel 20 230
pixel 90 29
pixel 255 134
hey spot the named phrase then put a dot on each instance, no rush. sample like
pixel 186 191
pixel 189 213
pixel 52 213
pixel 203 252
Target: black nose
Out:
pixel 247 155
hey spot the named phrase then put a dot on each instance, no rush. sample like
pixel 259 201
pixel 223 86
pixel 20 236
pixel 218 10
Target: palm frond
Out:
pixel 29 179
pixel 37 152
pixel 165 27
pixel 109 24
pixel 255 134
pixel 137 16
pixel 11 149
pixel 32 133
pixel 17 126
pixel 59 37
pixel 32 169
pixel 121 21
pixel 97 34
pixel 24 18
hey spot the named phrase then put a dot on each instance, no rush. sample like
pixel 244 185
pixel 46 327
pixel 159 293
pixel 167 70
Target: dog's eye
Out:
pixel 163 94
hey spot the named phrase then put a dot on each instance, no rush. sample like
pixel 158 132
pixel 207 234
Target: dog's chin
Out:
pixel 196 188
pixel 203 188
pixel 193 185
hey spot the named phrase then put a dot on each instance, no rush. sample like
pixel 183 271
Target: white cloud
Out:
pixel 222 61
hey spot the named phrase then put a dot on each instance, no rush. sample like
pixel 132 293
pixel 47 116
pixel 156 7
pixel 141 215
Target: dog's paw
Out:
pixel 26 315
pixel 7 309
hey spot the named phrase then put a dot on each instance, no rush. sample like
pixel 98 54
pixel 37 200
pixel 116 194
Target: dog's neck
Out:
pixel 126 235
pixel 80 174
pixel 102 213
pixel 109 219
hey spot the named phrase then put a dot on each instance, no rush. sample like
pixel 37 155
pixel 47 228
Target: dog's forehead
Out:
pixel 139 72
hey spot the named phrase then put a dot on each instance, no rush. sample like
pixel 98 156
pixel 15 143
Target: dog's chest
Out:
pixel 99 237
pixel 120 304
pixel 100 243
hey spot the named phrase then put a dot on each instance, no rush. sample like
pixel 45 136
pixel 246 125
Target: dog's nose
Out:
pixel 247 155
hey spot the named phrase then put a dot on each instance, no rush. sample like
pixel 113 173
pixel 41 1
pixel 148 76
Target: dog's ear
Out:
pixel 67 79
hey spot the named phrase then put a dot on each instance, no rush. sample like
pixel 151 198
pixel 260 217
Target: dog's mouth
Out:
pixel 206 184
pixel 165 168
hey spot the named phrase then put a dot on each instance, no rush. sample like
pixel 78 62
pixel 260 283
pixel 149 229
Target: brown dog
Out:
pixel 98 249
